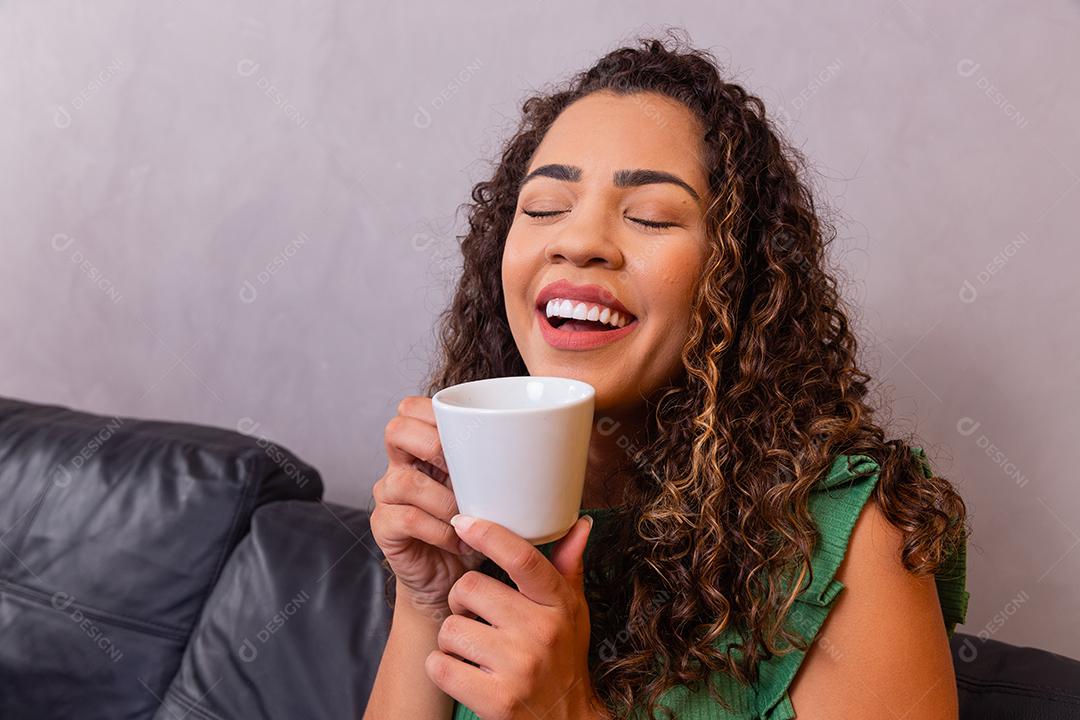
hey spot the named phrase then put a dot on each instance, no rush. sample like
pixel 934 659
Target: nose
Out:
pixel 585 238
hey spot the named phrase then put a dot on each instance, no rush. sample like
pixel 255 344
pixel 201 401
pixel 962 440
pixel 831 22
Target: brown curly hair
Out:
pixel 714 531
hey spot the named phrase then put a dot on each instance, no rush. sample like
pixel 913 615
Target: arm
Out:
pixel 883 650
pixel 402 689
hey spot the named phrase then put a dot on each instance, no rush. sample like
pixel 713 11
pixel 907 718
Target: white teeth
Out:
pixel 558 307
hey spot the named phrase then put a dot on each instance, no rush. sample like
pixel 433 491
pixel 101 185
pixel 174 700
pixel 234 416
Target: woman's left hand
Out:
pixel 533 657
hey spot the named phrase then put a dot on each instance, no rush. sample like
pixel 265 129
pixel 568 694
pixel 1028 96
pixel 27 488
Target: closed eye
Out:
pixel 652 223
pixel 646 223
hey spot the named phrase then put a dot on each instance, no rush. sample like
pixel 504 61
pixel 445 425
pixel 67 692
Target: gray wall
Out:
pixel 243 213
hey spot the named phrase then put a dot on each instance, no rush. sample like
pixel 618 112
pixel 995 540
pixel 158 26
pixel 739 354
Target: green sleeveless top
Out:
pixel 835 505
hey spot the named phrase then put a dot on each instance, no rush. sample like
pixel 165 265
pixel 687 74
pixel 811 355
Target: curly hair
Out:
pixel 714 532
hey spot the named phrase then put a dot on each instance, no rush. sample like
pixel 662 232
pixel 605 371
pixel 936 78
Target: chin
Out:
pixel 570 369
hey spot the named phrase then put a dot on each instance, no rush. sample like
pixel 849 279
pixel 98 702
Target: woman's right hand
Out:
pixel 413 507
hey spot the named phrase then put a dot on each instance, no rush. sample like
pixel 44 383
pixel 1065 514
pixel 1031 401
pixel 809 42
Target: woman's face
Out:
pixel 607 168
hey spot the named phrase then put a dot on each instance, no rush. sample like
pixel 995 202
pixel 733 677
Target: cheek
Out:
pixel 515 275
pixel 671 281
pixel 512 256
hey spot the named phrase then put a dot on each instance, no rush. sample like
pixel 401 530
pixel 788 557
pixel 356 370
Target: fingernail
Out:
pixel 590 517
pixel 461 522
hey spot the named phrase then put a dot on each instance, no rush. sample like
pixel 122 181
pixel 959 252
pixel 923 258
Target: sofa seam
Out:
pixel 1041 690
pixel 31 518
pixel 230 542
pixel 147 627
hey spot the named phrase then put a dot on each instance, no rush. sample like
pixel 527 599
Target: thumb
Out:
pixel 567 554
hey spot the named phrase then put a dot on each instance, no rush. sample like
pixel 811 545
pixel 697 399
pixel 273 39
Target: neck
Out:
pixel 616 437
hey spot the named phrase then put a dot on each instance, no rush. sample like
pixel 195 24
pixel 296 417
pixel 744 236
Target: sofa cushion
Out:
pixel 113 531
pixel 295 627
pixel 1011 682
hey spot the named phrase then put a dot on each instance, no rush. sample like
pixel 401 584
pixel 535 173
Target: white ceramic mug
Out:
pixel 517 448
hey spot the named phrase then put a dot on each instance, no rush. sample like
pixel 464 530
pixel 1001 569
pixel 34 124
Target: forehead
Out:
pixel 604 132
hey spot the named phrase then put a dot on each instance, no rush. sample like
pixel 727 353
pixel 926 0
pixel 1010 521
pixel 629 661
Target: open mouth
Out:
pixel 590 318
pixel 572 325
pixel 564 332
pixel 596 318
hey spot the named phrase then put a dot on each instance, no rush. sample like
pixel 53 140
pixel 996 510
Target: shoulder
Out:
pixel 885 628
pixel 877 634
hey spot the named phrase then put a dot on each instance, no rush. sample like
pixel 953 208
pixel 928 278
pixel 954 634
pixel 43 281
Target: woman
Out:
pixel 759 549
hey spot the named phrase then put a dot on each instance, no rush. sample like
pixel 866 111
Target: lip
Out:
pixel 583 340
pixel 584 293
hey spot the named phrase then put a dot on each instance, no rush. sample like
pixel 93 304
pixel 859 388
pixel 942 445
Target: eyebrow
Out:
pixel 622 178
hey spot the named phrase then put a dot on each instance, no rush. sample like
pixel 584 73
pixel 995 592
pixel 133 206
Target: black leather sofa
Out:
pixel 165 570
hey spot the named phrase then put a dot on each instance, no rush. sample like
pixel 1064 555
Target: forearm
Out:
pixel 402 690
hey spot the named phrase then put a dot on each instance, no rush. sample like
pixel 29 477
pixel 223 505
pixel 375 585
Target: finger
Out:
pixel 470 686
pixel 483 596
pixel 568 554
pixel 409 486
pixel 401 522
pixel 536 578
pixel 417 406
pixel 473 641
pixel 409 439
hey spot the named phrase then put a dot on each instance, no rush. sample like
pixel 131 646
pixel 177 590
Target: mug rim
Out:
pixel 589 395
